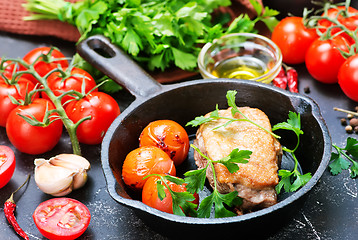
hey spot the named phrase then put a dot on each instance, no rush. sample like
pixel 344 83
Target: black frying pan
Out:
pixel 182 102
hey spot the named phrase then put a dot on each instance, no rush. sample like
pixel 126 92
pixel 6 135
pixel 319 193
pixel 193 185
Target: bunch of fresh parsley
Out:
pixel 158 34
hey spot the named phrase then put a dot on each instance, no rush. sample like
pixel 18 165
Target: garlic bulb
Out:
pixel 61 174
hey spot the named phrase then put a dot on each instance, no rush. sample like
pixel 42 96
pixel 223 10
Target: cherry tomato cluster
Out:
pixel 163 145
pixel 32 120
pixel 326 42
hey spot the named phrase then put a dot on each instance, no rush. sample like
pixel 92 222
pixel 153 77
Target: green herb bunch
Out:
pixel 157 34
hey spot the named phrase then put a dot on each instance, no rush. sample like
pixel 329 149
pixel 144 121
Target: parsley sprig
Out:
pixel 182 201
pixel 345 158
pixel 196 180
pixel 231 99
pixel 291 180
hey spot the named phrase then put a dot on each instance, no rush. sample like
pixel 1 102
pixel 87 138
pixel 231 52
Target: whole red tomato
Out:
pixel 43 65
pixel 168 135
pixel 16 89
pixel 144 161
pixel 33 139
pixel 77 80
pixel 62 218
pixel 150 195
pixel 348 77
pixel 293 38
pixel 7 164
pixel 347 17
pixel 102 108
pixel 323 58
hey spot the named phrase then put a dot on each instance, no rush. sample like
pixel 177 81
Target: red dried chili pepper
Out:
pixel 292 78
pixel 281 79
pixel 9 209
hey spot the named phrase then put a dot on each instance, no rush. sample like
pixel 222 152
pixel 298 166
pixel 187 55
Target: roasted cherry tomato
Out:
pixel 17 90
pixel 348 77
pixel 33 139
pixel 168 135
pixel 102 108
pixel 77 80
pixel 293 38
pixel 61 218
pixel 144 161
pixel 150 195
pixel 44 65
pixel 7 164
pixel 323 58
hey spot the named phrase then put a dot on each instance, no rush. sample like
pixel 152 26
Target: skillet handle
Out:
pixel 113 62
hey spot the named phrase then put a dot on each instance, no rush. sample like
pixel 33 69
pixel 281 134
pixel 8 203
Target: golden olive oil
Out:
pixel 246 67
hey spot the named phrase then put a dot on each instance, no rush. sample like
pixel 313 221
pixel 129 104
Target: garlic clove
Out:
pixel 61 174
pixel 79 179
pixel 52 179
pixel 70 161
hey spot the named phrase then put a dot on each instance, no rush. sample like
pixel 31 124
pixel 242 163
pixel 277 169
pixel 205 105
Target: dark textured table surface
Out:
pixel 329 212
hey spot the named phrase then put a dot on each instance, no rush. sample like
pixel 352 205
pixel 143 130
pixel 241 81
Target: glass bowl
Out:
pixel 241 55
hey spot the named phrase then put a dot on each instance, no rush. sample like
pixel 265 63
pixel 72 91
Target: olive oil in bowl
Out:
pixel 241 67
pixel 245 56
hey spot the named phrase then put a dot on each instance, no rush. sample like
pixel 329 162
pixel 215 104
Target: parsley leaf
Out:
pixel 291 180
pixel 352 147
pixel 181 201
pixel 338 163
pixel 344 158
pixel 236 156
pixel 196 180
pixel 217 200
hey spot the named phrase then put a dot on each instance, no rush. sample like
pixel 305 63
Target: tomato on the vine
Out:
pixel 348 77
pixel 168 135
pixel 347 17
pixel 323 58
pixel 34 139
pixel 62 218
pixel 77 80
pixel 10 67
pixel 293 38
pixel 7 164
pixel 150 194
pixel 144 161
pixel 44 65
pixel 102 108
pixel 18 90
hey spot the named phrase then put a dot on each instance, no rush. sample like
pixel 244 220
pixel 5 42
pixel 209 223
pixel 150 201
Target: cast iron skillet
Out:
pixel 184 101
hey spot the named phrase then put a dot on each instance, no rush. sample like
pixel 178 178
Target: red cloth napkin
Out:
pixel 11 15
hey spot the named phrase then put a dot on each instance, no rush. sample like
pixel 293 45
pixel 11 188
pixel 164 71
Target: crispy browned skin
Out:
pixel 255 181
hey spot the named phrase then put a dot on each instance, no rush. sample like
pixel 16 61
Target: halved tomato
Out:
pixel 7 164
pixel 62 218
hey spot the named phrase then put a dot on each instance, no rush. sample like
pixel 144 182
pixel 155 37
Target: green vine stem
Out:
pixel 70 126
